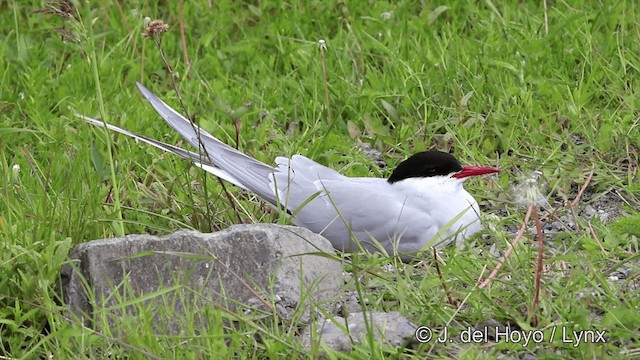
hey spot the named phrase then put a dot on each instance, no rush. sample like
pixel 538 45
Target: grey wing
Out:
pixel 366 209
pixel 294 180
pixel 248 172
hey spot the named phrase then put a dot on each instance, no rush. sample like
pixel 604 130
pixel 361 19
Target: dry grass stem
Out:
pixel 513 244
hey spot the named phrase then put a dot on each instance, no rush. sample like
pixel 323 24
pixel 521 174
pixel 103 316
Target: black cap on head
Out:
pixel 426 164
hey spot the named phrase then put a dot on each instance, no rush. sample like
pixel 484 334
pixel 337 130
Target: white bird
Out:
pixel 422 203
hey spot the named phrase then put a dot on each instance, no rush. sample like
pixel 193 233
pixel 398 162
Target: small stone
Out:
pixel 350 305
pixel 590 211
pixel 391 328
pixel 372 154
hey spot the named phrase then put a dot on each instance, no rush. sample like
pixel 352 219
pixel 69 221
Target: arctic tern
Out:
pixel 422 203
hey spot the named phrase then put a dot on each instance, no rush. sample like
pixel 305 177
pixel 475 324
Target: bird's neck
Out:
pixel 430 185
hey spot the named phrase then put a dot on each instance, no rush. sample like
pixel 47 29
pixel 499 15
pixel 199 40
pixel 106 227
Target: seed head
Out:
pixel 529 191
pixel 322 45
pixel 154 27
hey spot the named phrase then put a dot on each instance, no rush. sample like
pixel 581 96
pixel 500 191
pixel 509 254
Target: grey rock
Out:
pixel 568 222
pixel 372 154
pixel 350 304
pixel 602 213
pixel 258 267
pixel 391 328
pixel 590 211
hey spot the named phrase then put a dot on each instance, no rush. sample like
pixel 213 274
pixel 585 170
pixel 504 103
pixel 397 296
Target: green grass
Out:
pixel 485 79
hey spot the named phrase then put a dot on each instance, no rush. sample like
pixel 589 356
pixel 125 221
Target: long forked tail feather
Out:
pixel 251 173
pixel 197 159
pixel 216 157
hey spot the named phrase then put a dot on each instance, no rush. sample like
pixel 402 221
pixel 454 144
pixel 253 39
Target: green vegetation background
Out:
pixel 511 84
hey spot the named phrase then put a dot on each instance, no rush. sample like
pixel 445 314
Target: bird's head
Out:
pixel 433 163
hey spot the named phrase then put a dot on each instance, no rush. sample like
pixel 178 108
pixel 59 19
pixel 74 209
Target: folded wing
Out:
pixel 368 210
